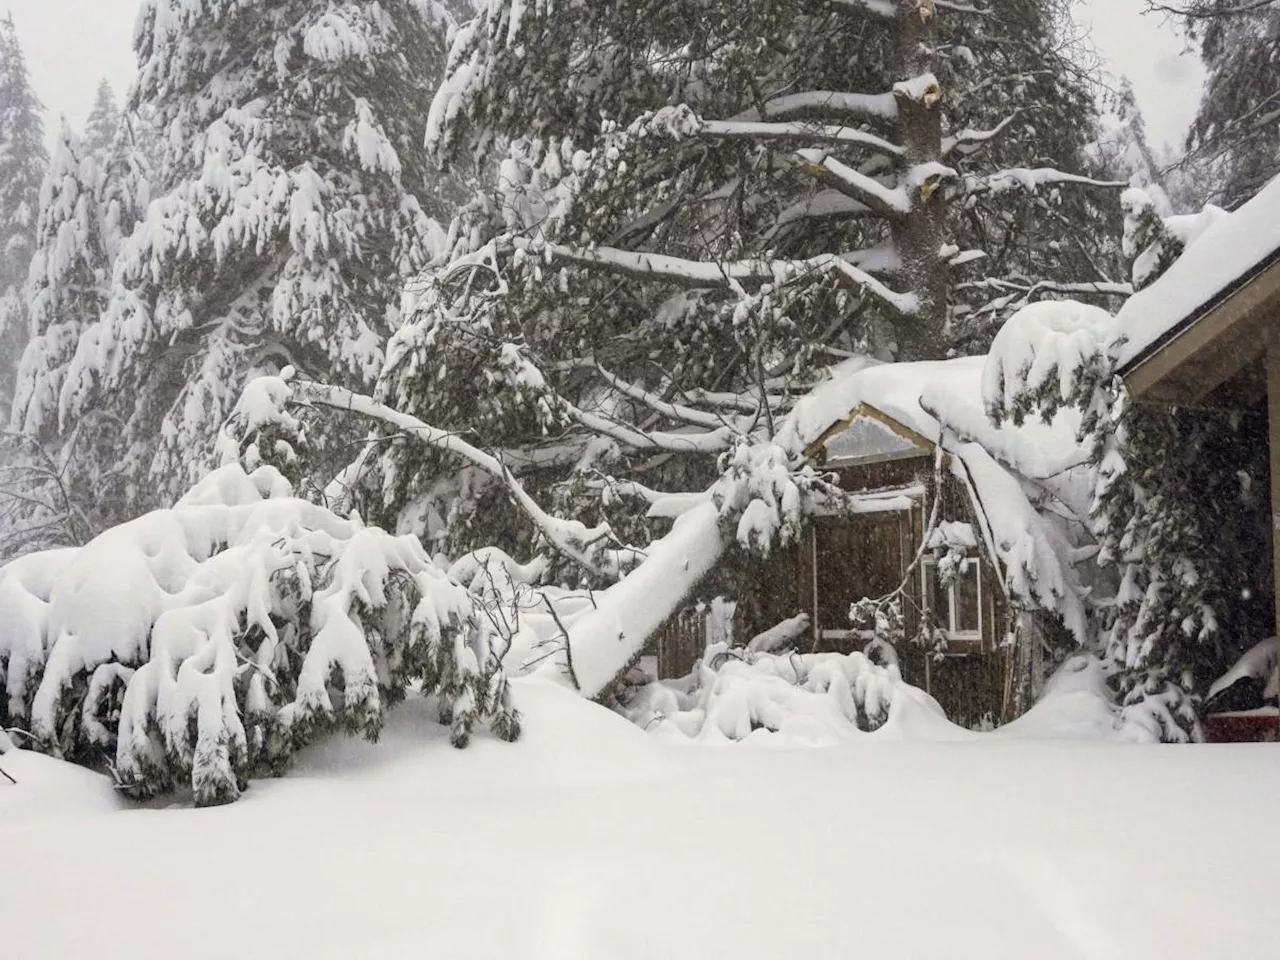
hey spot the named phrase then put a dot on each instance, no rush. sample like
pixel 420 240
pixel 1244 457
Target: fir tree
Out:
pixel 286 208
pixel 22 162
pixel 104 121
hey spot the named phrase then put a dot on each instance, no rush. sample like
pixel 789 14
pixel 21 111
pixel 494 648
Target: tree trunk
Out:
pixel 920 236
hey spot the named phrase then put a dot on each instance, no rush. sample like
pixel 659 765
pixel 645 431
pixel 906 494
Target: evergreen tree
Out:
pixel 1179 495
pixel 104 120
pixel 286 209
pixel 22 162
pixel 1234 142
pixel 717 201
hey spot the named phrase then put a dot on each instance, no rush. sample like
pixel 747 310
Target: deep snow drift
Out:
pixel 589 838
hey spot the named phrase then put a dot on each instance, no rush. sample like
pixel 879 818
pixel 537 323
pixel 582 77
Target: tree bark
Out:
pixel 920 236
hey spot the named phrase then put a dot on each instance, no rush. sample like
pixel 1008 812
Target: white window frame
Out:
pixel 927 569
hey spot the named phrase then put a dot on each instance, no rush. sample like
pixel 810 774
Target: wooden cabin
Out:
pixel 882 447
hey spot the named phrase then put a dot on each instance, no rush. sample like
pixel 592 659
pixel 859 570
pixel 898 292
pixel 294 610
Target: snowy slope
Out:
pixel 1226 251
pixel 589 839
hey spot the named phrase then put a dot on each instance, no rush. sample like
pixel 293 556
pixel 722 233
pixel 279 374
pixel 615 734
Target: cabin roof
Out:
pixel 1220 264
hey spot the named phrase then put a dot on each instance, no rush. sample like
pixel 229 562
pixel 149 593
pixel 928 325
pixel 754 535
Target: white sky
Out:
pixel 1166 79
pixel 73 44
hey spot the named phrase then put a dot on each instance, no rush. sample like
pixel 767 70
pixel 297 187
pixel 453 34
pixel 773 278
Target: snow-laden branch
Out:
pixel 828 104
pixel 967 140
pixel 717 273
pixel 961 7
pixel 824 205
pixel 891 203
pixel 1025 178
pixel 612 634
pixel 714 441
pixel 1014 293
pixel 572 538
pixel 880 9
pixel 744 402
pixel 675 411
pixel 798 130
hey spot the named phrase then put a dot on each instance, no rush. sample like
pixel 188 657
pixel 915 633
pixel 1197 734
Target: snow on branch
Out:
pixel 798 130
pixel 891 203
pixel 967 141
pixel 1045 355
pixel 1024 178
pixel 714 273
pixel 1012 293
pixel 828 104
pixel 880 9
pixel 961 7
pixel 759 503
pixel 675 411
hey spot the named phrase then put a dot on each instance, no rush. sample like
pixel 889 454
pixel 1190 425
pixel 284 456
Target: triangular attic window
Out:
pixel 868 439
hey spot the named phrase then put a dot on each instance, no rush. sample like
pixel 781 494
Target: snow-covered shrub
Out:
pixel 207 642
pixel 733 692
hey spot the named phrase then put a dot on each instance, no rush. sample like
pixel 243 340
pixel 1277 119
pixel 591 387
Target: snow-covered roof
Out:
pixel 1228 254
pixel 942 401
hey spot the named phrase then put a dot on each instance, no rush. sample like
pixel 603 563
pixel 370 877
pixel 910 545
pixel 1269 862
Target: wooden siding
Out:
pixel 843 559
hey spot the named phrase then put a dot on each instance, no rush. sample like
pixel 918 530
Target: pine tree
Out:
pixel 22 162
pixel 104 120
pixel 286 207
pixel 717 202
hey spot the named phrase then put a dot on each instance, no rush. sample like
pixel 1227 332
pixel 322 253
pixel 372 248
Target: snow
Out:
pixel 591 839
pixel 1259 663
pixel 1228 249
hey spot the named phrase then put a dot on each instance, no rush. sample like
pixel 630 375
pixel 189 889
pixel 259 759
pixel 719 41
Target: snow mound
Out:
pixel 36 786
pixel 736 695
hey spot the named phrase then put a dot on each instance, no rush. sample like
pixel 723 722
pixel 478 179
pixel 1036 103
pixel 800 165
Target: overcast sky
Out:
pixel 73 44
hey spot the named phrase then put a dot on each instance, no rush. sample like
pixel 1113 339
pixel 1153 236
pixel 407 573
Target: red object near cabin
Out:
pixel 1243 726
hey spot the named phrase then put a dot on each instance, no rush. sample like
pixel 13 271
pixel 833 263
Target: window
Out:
pixel 956 608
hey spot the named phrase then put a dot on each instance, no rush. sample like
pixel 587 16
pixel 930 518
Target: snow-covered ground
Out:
pixel 591 839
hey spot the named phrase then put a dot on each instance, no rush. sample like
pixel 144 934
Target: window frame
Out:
pixel 928 570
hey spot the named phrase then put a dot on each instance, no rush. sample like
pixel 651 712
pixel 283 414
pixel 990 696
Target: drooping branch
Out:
pixel 967 141
pixel 675 411
pixel 571 538
pixel 886 10
pixel 1025 178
